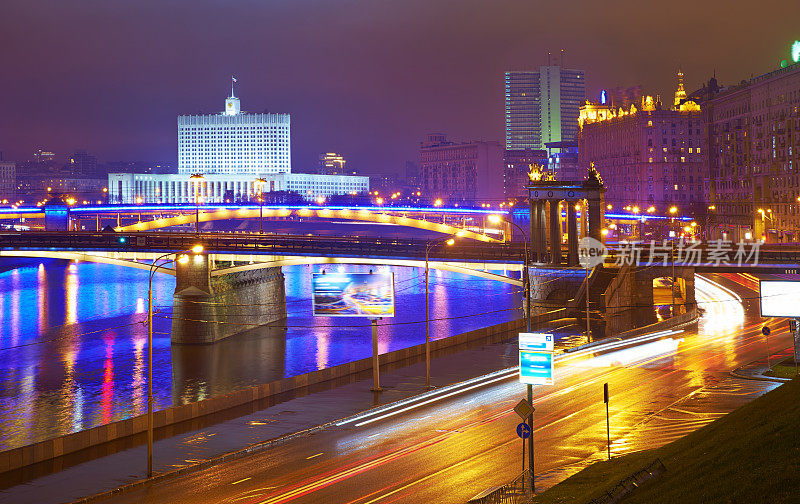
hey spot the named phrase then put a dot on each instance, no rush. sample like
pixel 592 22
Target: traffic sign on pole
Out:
pixel 536 341
pixel 523 430
pixel 523 409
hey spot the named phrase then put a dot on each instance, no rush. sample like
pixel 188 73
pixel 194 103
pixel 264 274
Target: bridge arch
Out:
pixel 437 265
pixel 114 258
pixel 324 213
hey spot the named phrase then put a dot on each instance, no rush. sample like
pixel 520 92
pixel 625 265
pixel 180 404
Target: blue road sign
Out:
pixel 765 331
pixel 535 368
pixel 536 341
pixel 524 430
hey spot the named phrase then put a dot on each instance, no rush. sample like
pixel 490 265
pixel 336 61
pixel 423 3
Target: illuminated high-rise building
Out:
pixel 8 179
pixel 467 171
pixel 331 163
pixel 651 155
pixel 542 106
pixel 753 144
pixel 230 157
pixel 234 142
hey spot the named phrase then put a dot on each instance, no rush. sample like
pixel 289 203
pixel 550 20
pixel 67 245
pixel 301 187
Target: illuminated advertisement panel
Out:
pixel 535 368
pixel 780 298
pixel 353 294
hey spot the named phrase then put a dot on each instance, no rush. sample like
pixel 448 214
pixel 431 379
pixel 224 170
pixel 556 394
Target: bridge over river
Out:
pixel 241 269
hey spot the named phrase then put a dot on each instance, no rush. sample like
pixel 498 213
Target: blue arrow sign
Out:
pixel 524 430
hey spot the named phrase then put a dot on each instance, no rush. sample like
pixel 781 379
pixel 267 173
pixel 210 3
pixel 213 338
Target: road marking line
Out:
pixel 439 472
pixel 312 456
pixel 240 481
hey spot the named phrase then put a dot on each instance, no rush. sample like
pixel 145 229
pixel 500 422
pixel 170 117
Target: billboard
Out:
pixel 353 294
pixel 535 368
pixel 780 298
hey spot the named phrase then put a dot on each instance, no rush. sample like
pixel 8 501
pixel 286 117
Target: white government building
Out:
pixel 230 157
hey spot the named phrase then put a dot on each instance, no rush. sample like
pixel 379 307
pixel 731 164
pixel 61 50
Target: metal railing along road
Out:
pixel 256 243
pixel 631 483
pixel 516 492
pixel 305 245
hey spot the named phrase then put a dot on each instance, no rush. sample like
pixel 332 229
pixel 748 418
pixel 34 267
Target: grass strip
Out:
pixel 748 456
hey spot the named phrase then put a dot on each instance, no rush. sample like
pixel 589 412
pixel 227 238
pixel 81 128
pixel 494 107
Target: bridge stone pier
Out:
pixel 207 309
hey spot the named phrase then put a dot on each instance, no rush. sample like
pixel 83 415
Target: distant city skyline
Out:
pixel 392 74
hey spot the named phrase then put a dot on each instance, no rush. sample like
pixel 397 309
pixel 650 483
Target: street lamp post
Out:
pixel 449 241
pixel 198 177
pixel 765 214
pixel 496 219
pixel 673 210
pixel 261 182
pixel 153 268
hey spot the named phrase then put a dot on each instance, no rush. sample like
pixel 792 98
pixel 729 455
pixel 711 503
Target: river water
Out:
pixel 73 340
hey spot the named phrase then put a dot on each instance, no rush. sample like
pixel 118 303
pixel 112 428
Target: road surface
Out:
pixel 450 449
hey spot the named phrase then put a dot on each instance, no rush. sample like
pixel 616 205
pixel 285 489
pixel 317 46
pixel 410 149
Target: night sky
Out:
pixel 366 78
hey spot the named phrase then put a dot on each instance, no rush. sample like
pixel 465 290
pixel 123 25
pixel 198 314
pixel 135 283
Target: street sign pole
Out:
pixel 608 424
pixel 527 282
pixel 530 440
pixel 376 373
pixel 588 323
pixel 524 430
pixel 765 331
pixel 795 338
pixel 523 462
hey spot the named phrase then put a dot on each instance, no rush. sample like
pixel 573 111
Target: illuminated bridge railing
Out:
pixel 779 258
pixel 254 243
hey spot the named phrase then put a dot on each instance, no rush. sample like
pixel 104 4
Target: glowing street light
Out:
pixel 153 268
pixel 449 242
pixel 260 184
pixel 198 177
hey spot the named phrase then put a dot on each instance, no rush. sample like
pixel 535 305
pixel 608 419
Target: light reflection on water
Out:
pixel 73 341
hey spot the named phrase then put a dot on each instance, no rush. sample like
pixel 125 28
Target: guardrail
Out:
pixel 516 492
pixel 631 483
pixel 463 250
pixel 256 243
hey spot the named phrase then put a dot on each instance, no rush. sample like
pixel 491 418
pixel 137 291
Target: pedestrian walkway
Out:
pixel 294 415
pixel 756 370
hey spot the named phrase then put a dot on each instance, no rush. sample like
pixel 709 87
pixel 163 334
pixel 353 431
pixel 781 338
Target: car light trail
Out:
pixel 451 390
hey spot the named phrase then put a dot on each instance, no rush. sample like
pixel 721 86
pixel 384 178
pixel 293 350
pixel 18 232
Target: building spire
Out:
pixel 232 104
pixel 680 93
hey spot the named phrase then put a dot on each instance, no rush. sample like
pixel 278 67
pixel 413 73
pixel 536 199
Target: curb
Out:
pixel 759 377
